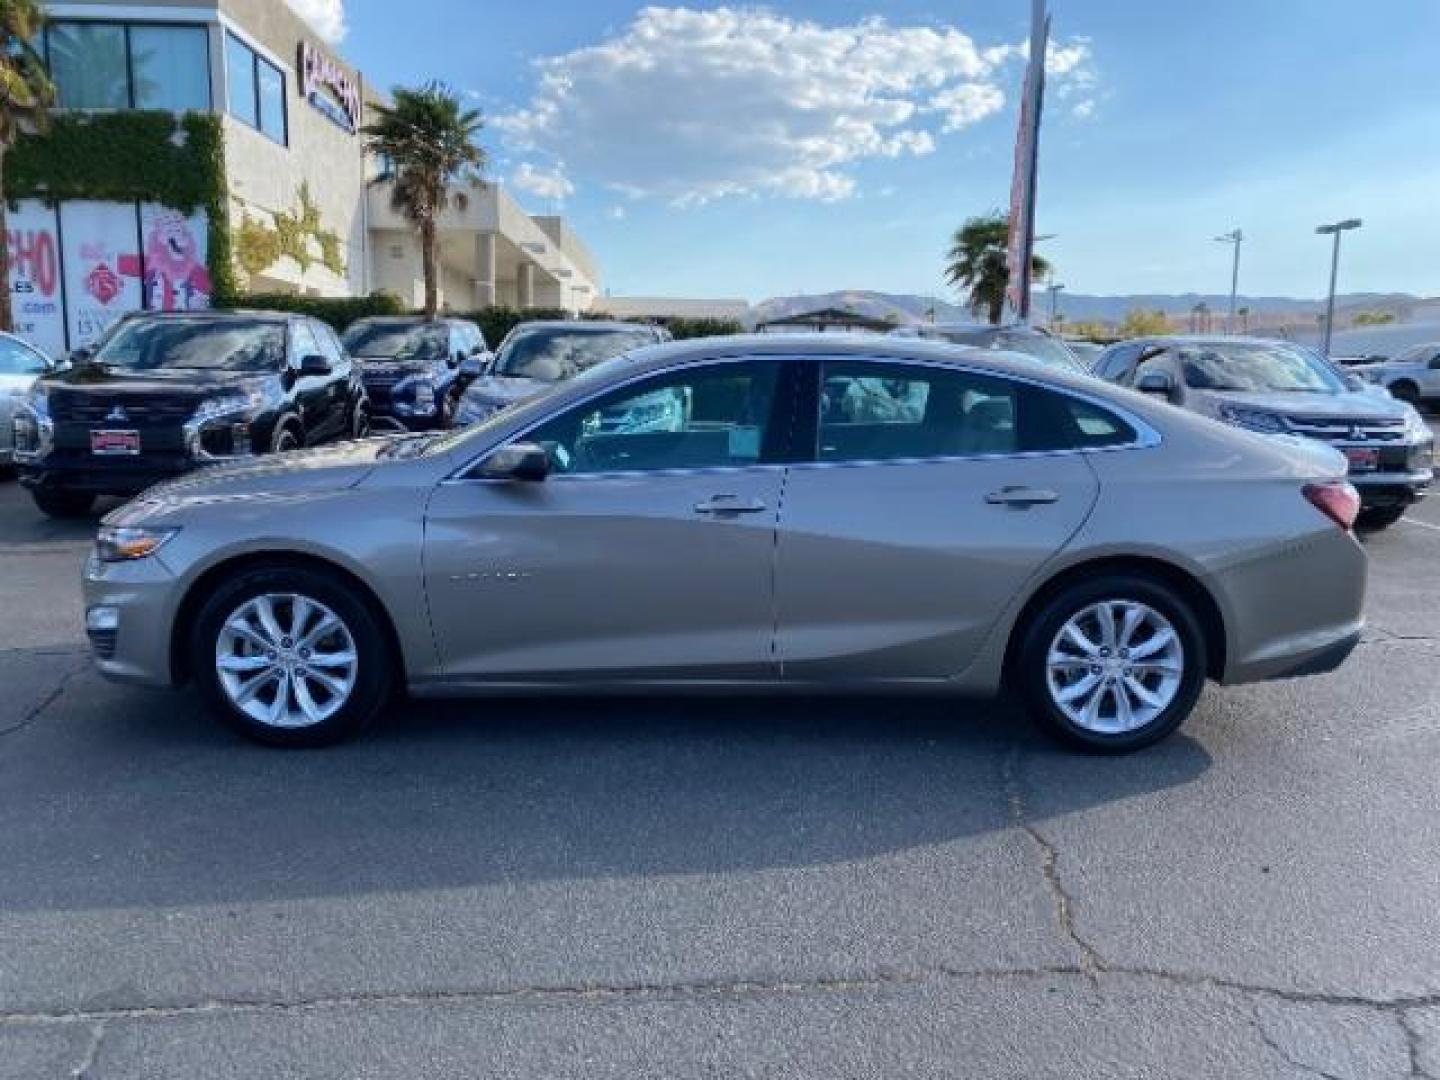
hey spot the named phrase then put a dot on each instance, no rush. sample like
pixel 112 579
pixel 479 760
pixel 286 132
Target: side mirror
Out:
pixel 472 367
pixel 1160 383
pixel 523 461
pixel 314 365
pixel 81 355
pixel 455 359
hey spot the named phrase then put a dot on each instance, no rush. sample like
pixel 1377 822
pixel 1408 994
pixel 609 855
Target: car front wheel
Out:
pixel 1379 517
pixel 63 504
pixel 291 657
pixel 1114 664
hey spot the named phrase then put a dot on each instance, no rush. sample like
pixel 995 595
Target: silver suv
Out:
pixel 1413 376
pixel 1281 389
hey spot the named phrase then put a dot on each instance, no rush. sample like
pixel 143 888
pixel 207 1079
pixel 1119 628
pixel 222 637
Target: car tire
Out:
pixel 1379 517
pixel 1158 668
pixel 285 439
pixel 63 504
pixel 232 654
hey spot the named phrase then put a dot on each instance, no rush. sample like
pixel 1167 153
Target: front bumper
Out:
pixel 130 610
pixel 1379 490
pixel 108 478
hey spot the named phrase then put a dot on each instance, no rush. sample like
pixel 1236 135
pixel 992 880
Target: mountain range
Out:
pixel 903 308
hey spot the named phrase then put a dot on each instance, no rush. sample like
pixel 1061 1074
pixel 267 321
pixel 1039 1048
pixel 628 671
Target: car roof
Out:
pixel 582 324
pixel 222 316
pixel 810 346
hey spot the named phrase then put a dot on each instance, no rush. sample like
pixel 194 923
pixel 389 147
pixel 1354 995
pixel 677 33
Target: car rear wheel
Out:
pixel 1114 664
pixel 290 657
pixel 1379 517
pixel 63 504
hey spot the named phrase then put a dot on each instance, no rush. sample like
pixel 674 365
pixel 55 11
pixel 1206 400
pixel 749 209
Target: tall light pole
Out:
pixel 1335 231
pixel 1054 289
pixel 1235 239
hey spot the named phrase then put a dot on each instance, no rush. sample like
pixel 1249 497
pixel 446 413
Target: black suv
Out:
pixel 162 394
pixel 414 369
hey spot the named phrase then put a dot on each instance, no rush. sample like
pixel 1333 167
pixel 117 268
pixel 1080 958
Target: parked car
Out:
pixel 1413 376
pixel 164 393
pixel 535 356
pixel 414 369
pixel 1277 388
pixel 20 365
pixel 1099 552
pixel 1087 352
pixel 1026 340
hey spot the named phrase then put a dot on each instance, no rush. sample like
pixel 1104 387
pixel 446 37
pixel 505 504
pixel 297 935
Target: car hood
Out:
pixel 11 384
pixel 325 468
pixel 173 382
pixel 504 389
pixel 1351 405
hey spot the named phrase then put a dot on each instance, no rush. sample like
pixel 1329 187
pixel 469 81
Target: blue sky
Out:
pixel 696 163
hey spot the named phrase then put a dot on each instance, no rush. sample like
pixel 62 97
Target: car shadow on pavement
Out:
pixel 125 798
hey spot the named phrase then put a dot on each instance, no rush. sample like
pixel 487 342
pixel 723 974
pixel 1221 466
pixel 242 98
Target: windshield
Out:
pixel 395 341
pixel 1261 369
pixel 16 359
pixel 1038 347
pixel 198 344
pixel 556 355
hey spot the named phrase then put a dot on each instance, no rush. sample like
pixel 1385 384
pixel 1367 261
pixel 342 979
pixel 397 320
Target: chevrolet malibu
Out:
pixel 877 515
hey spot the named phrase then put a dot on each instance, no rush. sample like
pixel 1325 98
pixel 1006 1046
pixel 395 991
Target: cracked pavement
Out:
pixel 677 888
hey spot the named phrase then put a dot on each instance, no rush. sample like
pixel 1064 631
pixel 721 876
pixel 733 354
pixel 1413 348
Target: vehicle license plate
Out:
pixel 111 443
pixel 1362 459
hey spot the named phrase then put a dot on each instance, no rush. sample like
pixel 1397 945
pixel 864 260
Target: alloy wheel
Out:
pixel 286 661
pixel 1115 666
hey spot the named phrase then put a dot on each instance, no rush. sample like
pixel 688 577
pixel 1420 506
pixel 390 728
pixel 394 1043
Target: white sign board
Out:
pixel 174 247
pixel 35 276
pixel 101 266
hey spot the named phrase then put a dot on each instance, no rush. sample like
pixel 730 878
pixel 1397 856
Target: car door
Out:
pixel 310 391
pixel 923 514
pixel 336 402
pixel 646 554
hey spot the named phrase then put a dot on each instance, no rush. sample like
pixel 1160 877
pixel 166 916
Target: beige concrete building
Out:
pixel 304 215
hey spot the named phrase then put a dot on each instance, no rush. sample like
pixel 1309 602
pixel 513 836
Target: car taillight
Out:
pixel 1338 500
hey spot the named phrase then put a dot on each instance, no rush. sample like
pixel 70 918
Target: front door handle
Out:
pixel 730 504
pixel 1021 496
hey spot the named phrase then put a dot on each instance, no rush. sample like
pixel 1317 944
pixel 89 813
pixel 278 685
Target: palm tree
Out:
pixel 26 94
pixel 977 261
pixel 425 140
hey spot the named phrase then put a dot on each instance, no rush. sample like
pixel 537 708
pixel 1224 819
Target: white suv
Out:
pixel 1413 376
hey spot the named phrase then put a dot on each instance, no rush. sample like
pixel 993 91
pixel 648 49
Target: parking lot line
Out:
pixel 1421 524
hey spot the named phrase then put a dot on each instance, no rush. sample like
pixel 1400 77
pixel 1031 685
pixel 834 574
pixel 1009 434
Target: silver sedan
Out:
pixel 875 515
pixel 20 365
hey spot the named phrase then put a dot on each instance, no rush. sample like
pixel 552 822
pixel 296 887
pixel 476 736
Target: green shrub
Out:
pixel 339 312
pixel 702 328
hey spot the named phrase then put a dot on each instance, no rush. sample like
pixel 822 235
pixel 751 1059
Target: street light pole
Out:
pixel 1334 230
pixel 1235 239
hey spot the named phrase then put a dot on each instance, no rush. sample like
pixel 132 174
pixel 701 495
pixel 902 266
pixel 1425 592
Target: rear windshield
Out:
pixel 556 355
pixel 195 345
pixel 396 341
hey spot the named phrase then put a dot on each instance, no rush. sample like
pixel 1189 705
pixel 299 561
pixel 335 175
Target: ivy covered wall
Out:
pixel 133 157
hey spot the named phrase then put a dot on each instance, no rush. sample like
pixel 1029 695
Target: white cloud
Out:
pixel 543 183
pixel 616 213
pixel 326 17
pixel 1083 110
pixel 690 106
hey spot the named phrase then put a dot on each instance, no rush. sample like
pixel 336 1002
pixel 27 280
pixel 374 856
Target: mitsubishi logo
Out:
pixel 117 415
pixel 1357 433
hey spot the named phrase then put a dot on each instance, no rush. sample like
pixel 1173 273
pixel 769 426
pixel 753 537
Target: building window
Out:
pixel 89 65
pixel 103 65
pixel 170 67
pixel 256 89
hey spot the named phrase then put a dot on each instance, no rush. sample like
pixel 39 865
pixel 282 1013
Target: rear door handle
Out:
pixel 1021 496
pixel 730 504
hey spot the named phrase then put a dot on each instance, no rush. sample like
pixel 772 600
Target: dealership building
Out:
pixel 209 150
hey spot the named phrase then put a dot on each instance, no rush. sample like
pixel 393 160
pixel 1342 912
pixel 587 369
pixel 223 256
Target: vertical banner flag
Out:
pixel 1027 152
pixel 101 266
pixel 35 276
pixel 174 249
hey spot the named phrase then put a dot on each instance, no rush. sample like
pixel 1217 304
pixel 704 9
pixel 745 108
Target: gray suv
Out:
pixel 1277 388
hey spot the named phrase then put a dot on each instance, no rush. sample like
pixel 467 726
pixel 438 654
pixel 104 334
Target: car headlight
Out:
pixel 1267 423
pixel 33 430
pixel 116 543
pixel 227 405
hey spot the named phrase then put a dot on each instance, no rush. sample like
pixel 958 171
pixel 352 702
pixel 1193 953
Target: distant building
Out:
pixel 254 124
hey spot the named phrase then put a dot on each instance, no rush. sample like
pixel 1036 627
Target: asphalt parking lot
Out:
pixel 677 888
